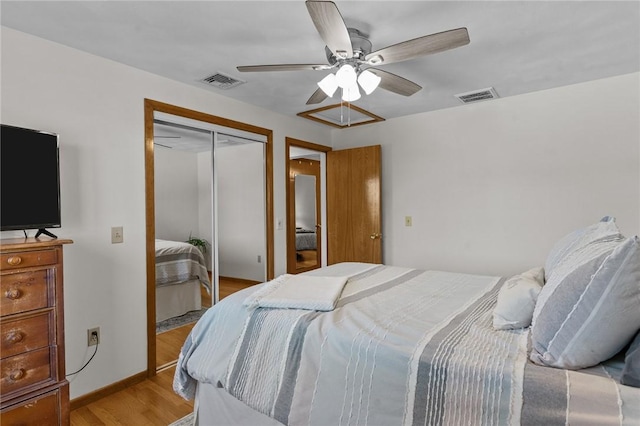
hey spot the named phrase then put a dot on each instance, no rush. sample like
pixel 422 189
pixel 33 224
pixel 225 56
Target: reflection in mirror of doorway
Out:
pixel 305 208
pixel 306 211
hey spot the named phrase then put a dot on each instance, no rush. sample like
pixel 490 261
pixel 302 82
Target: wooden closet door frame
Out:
pixel 150 107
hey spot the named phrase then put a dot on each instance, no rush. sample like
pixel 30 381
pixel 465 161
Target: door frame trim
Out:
pixel 151 106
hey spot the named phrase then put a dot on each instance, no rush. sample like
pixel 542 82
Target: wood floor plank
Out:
pixel 83 416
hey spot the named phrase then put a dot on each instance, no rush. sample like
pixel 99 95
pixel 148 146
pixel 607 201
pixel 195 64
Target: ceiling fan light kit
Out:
pixel 350 51
pixel 348 80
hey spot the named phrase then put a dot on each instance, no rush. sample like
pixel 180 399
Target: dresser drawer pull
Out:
pixel 15 337
pixel 17 375
pixel 14 260
pixel 13 294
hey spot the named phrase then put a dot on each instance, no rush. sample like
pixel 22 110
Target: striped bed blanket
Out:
pixel 402 346
pixel 178 262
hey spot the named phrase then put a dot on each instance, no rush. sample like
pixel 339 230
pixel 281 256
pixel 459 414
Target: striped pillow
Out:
pixel 589 309
pixel 605 228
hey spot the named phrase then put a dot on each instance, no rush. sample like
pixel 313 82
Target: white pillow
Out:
pixel 588 309
pixel 517 300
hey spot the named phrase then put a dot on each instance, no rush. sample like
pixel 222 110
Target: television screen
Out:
pixel 29 179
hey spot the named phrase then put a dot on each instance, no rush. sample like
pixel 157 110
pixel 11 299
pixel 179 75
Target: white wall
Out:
pixel 491 186
pixel 176 194
pixel 96 106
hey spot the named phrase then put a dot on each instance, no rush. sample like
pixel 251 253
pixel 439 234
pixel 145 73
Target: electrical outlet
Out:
pixel 93 336
pixel 116 235
pixel 259 259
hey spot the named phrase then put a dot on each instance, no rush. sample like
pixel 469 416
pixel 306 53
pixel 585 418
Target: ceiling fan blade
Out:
pixel 420 46
pixel 395 83
pixel 317 97
pixel 329 23
pixel 284 67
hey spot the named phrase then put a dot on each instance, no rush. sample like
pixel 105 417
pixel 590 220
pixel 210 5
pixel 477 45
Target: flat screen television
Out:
pixel 29 180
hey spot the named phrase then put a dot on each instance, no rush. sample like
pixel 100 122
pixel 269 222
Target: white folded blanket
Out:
pixel 298 292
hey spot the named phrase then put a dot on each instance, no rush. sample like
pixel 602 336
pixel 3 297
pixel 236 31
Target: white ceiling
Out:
pixel 516 46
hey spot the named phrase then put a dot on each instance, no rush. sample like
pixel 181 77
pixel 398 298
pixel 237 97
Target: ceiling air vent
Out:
pixel 222 81
pixel 477 95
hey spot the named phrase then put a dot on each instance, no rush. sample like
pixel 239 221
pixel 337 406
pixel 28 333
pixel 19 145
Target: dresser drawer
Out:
pixel 25 334
pixel 26 369
pixel 23 292
pixel 27 259
pixel 43 410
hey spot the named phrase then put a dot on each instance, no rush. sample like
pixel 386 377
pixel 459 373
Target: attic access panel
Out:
pixel 341 115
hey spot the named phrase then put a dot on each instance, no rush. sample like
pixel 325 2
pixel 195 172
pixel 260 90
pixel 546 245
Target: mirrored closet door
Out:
pixel 210 204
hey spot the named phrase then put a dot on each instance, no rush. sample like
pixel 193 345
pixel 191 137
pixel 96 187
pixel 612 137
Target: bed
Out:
pixel 305 239
pixel 180 273
pixel 357 343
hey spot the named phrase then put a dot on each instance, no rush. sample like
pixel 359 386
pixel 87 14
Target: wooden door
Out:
pixel 354 229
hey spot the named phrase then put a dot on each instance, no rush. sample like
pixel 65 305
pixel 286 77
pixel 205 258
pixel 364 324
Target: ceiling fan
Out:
pixel 349 51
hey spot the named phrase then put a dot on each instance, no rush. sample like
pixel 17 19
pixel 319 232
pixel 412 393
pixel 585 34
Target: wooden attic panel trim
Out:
pixel 309 115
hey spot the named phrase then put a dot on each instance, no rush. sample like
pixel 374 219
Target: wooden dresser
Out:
pixel 33 388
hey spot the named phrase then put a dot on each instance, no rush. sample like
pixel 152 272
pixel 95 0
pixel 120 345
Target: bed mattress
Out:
pixel 403 346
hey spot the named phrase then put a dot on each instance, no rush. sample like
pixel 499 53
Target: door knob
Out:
pixel 375 236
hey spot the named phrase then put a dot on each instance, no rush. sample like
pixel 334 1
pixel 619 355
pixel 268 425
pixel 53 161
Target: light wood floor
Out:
pixel 148 403
pixel 151 402
pixel 306 258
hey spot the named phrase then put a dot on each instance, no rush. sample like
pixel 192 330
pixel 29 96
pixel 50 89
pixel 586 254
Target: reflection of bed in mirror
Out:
pixel 180 271
pixel 305 239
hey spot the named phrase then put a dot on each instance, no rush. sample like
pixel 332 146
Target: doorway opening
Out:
pixel 306 205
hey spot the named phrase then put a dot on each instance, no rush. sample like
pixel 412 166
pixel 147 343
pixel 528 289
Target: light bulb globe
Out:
pixel 351 93
pixel 328 85
pixel 346 76
pixel 368 81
